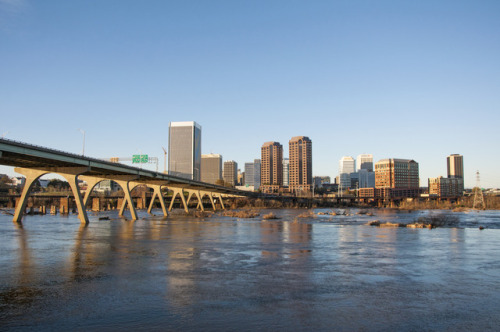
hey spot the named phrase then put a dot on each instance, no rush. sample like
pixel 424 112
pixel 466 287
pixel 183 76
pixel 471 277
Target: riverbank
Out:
pixel 462 204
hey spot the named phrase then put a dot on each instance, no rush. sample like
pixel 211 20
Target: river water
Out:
pixel 329 273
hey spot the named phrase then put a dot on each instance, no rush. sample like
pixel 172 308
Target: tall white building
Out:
pixel 347 165
pixel 184 149
pixel 286 172
pixel 364 161
pixel 252 174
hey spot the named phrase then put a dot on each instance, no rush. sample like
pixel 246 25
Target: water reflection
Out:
pixel 22 291
pixel 220 273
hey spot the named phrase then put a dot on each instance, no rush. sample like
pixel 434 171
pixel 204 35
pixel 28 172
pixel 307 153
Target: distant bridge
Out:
pixel 35 161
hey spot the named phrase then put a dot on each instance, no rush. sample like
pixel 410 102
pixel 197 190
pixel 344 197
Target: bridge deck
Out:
pixel 18 154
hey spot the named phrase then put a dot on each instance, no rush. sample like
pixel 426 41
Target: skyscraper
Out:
pixel 252 174
pixel 455 163
pixel 271 166
pixel 397 178
pixel 347 165
pixel 300 173
pixel 230 173
pixel 366 179
pixel 256 174
pixel 455 166
pixel 184 149
pixel 249 174
pixel 286 172
pixel 364 161
pixel 211 168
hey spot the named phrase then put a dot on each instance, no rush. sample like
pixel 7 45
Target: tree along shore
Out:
pixel 463 203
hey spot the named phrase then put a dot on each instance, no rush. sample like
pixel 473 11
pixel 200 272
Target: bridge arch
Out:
pixel 70 174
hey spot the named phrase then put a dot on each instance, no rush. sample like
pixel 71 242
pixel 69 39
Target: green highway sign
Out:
pixel 140 159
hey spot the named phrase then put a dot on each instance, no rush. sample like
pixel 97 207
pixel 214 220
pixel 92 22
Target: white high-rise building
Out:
pixel 364 161
pixel 347 165
pixel 286 172
pixel 252 174
pixel 184 149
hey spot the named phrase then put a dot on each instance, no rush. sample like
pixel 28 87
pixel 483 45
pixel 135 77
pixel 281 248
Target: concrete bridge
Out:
pixel 35 161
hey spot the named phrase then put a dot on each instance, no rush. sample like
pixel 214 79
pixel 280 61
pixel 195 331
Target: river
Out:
pixel 328 273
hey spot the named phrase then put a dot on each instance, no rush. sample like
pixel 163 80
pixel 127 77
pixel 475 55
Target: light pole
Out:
pixel 83 149
pixel 164 160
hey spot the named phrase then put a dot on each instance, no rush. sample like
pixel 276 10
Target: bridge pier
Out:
pixel 91 181
pixel 198 197
pixel 221 202
pixel 180 192
pixel 209 194
pixel 70 174
pixel 157 193
pixel 127 199
pixel 31 176
pixel 72 178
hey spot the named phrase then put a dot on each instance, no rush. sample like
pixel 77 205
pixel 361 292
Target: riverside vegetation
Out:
pixel 462 204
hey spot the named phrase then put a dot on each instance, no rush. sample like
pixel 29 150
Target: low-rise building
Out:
pixel 446 187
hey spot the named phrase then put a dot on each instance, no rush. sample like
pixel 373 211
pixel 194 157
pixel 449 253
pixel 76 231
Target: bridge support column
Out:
pixel 180 192
pixel 72 178
pixel 31 176
pixel 157 193
pixel 91 181
pixel 209 194
pixel 221 202
pixel 125 184
pixel 69 173
pixel 198 197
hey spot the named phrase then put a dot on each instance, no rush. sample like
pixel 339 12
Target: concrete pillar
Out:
pixel 31 176
pixel 211 200
pixel 221 202
pixel 127 187
pixel 91 181
pixel 71 175
pixel 96 204
pixel 64 205
pixel 157 193
pixel 180 192
pixel 198 197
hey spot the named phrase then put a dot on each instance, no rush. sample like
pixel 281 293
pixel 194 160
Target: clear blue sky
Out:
pixel 398 79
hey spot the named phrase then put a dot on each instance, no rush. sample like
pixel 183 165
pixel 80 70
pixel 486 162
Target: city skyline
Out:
pixel 414 80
